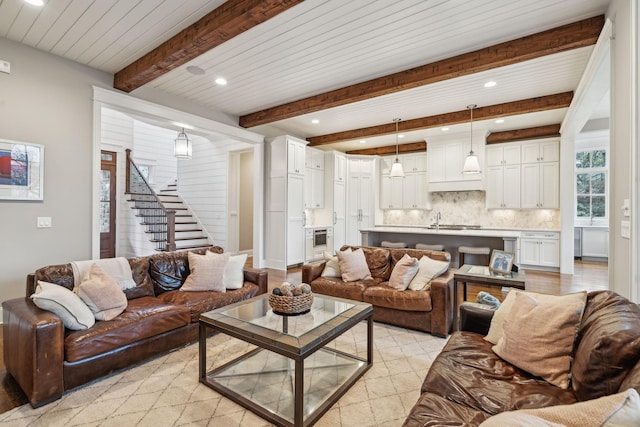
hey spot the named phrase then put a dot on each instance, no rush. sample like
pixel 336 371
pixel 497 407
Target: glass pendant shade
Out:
pixel 396 169
pixel 471 164
pixel 182 148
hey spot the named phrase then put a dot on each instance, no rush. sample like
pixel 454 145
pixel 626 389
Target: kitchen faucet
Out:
pixel 438 218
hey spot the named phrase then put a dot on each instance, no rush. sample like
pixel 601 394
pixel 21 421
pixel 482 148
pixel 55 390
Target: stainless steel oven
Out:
pixel 319 237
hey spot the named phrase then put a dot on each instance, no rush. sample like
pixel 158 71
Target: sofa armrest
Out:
pixel 475 317
pixel 310 272
pixel 442 304
pixel 259 277
pixel 33 349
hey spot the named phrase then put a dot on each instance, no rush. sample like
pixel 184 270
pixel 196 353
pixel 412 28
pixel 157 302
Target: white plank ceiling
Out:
pixel 317 46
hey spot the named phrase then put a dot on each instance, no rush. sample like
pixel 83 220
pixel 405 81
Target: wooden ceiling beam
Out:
pixel 571 36
pixel 524 106
pixel 522 134
pixel 225 22
pixel 410 147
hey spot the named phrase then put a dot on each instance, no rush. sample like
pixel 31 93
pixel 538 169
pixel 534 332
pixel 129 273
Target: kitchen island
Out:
pixel 502 239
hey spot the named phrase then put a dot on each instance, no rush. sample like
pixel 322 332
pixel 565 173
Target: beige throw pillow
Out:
pixel 616 410
pixel 102 294
pixel 404 271
pixel 234 271
pixel 207 272
pixel 68 306
pixel 428 269
pixel 353 266
pixel 539 335
pixel 497 321
pixel 332 266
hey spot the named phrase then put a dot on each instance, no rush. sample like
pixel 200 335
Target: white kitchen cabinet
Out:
pixel 540 185
pixel 540 249
pixel 360 197
pixel 314 188
pixel 339 215
pixel 503 187
pixel 314 158
pixel 295 220
pixel 391 192
pixel 541 151
pixel 503 154
pixel 595 242
pixel 340 168
pixel 415 191
pixel 284 202
pixel 416 162
pixel 295 156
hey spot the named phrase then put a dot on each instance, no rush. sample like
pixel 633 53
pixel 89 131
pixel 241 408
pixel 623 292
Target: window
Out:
pixel 591 185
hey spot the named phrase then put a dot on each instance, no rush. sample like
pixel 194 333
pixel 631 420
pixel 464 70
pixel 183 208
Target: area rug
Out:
pixel 165 390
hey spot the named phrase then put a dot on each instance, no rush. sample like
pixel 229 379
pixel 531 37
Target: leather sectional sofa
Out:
pixel 47 359
pixel 428 311
pixel 467 382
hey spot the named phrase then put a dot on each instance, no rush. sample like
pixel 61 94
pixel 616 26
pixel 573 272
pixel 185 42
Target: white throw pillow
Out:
pixel 234 271
pixel 102 294
pixel 539 336
pixel 332 266
pixel 353 265
pixel 403 272
pixel 496 329
pixel 615 410
pixel 428 268
pixel 207 272
pixel 68 306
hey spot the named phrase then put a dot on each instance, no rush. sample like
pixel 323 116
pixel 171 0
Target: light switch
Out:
pixel 44 222
pixel 625 229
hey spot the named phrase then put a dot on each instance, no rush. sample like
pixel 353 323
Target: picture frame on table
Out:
pixel 21 170
pixel 501 262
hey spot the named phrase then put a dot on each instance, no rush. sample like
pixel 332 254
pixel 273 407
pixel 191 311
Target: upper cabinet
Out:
pixel 295 156
pixel 523 175
pixel 407 192
pixel 314 179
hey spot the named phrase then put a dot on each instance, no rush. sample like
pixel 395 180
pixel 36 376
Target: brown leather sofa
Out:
pixel 428 311
pixel 46 359
pixel 468 383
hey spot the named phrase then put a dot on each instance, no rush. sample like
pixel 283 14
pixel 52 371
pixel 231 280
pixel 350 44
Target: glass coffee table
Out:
pixel 292 377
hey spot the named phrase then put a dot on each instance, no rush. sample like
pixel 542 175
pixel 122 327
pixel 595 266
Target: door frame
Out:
pixel 113 199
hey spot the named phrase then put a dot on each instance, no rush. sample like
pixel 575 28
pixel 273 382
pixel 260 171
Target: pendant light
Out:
pixel 396 168
pixel 471 164
pixel 182 147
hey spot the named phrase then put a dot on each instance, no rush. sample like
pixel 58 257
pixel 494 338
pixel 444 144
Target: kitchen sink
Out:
pixel 454 227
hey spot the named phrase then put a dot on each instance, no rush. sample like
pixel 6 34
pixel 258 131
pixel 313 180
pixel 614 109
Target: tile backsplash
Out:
pixel 468 207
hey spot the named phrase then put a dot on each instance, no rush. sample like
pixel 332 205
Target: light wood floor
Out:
pixel 587 276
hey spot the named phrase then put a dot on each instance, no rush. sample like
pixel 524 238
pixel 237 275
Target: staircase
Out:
pixel 168 222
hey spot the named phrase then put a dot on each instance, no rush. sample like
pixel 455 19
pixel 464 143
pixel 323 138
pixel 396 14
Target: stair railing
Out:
pixel 159 220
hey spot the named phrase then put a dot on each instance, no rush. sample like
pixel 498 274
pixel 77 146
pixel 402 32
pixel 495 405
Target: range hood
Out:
pixel 441 187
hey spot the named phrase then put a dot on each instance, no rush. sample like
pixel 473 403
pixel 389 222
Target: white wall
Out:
pixel 246 202
pixel 47 100
pixel 624 140
pixel 203 183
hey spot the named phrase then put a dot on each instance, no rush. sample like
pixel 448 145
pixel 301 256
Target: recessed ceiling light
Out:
pixel 444 129
pixel 315 121
pixel 500 121
pixel 363 141
pixel 35 2
pixel 196 71
pixel 490 84
pixel 221 81
pixel 401 135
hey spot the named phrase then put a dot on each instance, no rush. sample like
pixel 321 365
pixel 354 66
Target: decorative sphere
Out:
pixel 285 287
pixel 306 288
pixel 297 291
pixel 287 292
pixel 277 291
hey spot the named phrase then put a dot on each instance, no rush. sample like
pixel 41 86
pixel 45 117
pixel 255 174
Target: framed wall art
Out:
pixel 501 262
pixel 21 170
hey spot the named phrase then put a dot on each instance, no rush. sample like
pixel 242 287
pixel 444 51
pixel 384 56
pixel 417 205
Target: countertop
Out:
pixel 482 232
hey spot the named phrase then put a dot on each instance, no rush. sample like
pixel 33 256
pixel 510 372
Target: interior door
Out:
pixel 108 204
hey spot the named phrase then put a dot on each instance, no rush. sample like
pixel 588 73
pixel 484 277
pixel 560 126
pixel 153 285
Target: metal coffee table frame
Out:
pixel 296 348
